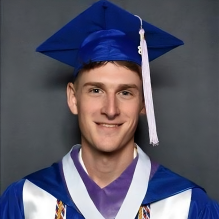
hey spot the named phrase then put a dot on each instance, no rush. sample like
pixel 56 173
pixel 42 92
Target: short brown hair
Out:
pixel 127 64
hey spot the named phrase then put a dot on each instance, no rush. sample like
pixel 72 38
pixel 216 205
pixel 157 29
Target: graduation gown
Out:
pixel 48 194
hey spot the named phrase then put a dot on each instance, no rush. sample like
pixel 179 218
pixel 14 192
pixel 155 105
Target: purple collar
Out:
pixel 109 199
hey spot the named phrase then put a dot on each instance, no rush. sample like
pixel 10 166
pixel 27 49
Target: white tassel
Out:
pixel 142 49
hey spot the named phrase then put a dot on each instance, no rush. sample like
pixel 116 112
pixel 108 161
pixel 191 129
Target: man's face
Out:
pixel 108 101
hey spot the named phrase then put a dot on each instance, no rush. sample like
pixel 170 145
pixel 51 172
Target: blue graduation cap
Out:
pixel 106 32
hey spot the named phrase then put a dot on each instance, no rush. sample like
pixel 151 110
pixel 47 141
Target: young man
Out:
pixel 107 175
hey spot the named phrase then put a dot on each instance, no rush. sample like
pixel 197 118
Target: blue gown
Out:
pixel 163 184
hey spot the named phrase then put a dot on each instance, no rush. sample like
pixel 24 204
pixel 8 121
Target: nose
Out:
pixel 110 106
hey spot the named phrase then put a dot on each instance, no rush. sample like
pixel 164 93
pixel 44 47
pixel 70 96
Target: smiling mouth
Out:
pixel 109 125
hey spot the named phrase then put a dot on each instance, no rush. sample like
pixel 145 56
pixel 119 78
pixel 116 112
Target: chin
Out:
pixel 108 147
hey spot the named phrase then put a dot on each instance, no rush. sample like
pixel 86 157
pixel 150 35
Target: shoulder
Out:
pixel 45 185
pixel 14 188
pixel 202 206
pixel 44 176
pixel 11 201
pixel 51 180
pixel 48 179
pixel 166 183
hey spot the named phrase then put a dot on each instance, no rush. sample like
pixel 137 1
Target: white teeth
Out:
pixel 109 126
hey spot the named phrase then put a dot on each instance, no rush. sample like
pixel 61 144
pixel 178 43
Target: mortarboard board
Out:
pixel 106 32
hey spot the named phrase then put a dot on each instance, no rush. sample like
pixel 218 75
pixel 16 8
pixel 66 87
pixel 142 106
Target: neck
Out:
pixel 103 168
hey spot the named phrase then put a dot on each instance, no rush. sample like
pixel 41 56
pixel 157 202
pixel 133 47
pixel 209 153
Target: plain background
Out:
pixel 37 128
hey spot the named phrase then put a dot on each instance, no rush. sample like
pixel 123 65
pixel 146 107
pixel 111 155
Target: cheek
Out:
pixel 132 108
pixel 132 114
pixel 88 107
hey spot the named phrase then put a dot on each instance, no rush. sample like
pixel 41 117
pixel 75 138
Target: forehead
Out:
pixel 110 73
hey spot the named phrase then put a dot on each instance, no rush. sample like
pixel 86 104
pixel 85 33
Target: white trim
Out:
pixel 82 162
pixel 176 206
pixel 132 201
pixel 77 189
pixel 138 187
pixel 38 203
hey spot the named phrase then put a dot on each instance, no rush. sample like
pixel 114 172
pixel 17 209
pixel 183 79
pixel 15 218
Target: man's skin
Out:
pixel 108 101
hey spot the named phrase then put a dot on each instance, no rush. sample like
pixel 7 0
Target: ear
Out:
pixel 143 110
pixel 71 98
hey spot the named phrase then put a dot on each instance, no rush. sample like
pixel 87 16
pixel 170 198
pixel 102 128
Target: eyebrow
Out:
pixel 120 86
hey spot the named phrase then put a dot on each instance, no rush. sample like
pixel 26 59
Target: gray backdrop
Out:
pixel 37 128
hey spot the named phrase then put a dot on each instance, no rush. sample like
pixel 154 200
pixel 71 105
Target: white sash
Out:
pixel 174 207
pixel 38 204
pixel 132 201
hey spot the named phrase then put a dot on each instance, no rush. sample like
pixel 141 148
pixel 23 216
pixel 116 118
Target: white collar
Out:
pixel 82 162
pixel 132 201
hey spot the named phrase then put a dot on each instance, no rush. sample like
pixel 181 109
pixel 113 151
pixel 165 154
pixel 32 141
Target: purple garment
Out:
pixel 109 199
pixel 154 167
